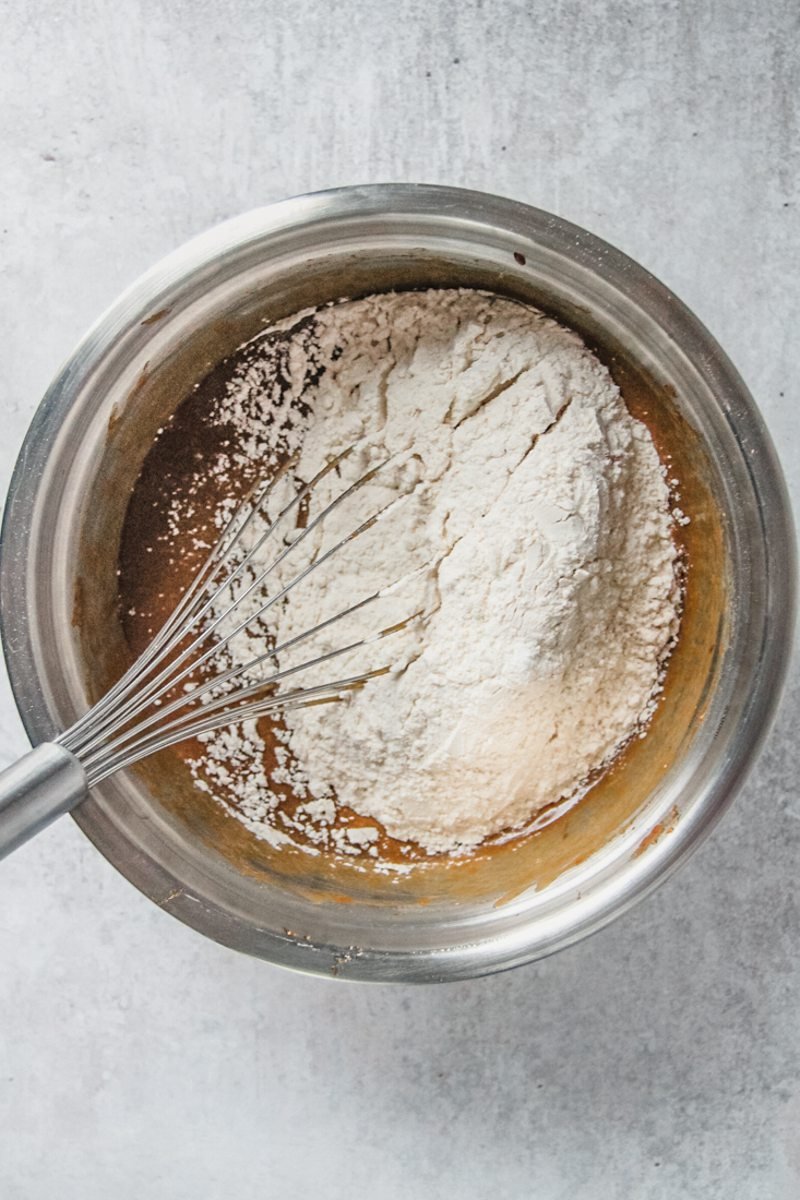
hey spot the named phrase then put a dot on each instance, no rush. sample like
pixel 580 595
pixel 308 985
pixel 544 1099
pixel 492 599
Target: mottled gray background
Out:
pixel 661 1058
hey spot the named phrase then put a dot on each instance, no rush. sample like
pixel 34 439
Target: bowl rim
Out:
pixel 550 231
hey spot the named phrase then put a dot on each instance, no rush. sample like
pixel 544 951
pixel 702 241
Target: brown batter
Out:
pixel 156 564
pixel 187 473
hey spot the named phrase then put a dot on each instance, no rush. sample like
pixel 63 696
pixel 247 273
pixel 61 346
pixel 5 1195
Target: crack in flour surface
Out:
pixel 526 516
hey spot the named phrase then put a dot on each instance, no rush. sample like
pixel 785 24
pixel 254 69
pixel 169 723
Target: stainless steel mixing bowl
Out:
pixel 269 262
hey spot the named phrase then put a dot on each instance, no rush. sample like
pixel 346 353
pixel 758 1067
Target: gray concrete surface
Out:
pixel 661 1058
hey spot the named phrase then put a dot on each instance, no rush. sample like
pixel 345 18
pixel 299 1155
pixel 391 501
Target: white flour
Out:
pixel 551 602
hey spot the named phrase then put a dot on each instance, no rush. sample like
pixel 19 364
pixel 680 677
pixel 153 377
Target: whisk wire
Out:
pixel 223 701
pixel 159 646
pixel 306 697
pixel 137 695
pixel 120 730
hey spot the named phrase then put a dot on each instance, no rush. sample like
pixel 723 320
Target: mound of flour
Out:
pixel 536 515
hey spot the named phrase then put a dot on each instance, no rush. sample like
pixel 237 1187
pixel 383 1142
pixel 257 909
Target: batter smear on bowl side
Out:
pixel 529 529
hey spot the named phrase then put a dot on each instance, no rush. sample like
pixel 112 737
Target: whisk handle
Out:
pixel 39 787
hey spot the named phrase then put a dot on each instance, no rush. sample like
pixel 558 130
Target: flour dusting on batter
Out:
pixel 537 514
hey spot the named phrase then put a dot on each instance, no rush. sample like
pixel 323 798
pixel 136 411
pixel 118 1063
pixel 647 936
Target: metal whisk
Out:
pixel 144 712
